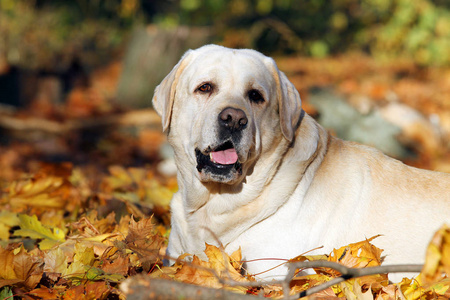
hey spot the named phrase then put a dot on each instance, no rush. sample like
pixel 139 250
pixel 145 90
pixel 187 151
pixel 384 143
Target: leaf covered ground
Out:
pixel 60 239
pixel 82 212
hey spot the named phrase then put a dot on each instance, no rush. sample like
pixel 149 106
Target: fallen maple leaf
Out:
pixel 358 255
pixel 143 240
pixel 19 268
pixel 118 265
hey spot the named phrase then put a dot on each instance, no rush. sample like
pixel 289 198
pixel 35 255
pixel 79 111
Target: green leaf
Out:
pixel 6 293
pixel 31 227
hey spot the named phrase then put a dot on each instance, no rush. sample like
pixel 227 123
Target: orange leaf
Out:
pixel 44 293
pixel 197 273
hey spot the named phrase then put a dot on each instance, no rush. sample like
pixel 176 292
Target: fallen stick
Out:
pixel 141 287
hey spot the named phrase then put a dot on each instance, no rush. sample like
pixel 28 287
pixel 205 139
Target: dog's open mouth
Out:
pixel 223 160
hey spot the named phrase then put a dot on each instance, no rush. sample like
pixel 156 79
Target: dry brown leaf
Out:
pixel 19 268
pixel 119 265
pixel 198 272
pixel 145 241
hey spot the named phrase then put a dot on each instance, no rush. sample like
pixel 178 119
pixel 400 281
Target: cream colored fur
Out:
pixel 300 187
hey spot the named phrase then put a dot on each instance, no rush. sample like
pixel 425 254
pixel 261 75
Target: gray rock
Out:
pixel 349 124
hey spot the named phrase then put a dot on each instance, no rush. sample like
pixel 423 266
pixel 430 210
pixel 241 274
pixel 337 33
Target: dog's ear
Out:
pixel 165 92
pixel 289 103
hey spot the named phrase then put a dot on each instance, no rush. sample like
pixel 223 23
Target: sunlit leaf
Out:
pixel 31 227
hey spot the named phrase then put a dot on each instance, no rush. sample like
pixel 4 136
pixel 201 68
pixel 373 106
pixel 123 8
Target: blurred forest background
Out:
pixel 77 77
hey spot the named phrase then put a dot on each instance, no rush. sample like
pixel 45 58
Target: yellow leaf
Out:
pixel 220 262
pixel 119 177
pixel 42 192
pixel 301 258
pixel 75 269
pixel 440 288
pixel 6 261
pixel 358 255
pixel 302 283
pixel 157 193
pixel 235 259
pixel 433 259
pixel 216 258
pixel 437 259
pixel 84 254
pixel 4 232
pixel 101 237
pixel 355 292
pixel 31 227
pixel 8 218
pixel 55 262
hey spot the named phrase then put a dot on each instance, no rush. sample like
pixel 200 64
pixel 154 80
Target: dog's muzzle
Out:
pixel 221 163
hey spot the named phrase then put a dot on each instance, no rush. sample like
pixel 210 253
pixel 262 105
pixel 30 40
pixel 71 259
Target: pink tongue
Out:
pixel 225 157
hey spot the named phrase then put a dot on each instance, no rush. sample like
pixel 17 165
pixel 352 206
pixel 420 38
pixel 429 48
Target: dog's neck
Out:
pixel 224 207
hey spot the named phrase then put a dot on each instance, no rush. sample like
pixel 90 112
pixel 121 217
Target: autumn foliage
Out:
pixel 60 239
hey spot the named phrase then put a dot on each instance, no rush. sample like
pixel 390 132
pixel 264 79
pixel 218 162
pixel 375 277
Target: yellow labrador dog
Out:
pixel 256 172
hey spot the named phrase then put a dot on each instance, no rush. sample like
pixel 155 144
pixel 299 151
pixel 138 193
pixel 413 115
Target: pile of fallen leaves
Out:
pixel 62 237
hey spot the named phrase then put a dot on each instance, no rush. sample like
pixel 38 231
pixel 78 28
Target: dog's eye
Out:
pixel 255 96
pixel 205 88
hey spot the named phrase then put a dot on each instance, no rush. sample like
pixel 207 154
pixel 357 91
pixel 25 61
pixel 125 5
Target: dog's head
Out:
pixel 223 108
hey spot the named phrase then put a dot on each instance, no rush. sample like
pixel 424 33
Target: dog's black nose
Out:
pixel 233 119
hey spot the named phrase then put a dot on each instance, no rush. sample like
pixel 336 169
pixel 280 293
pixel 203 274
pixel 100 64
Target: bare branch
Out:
pixel 347 273
pixel 141 287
